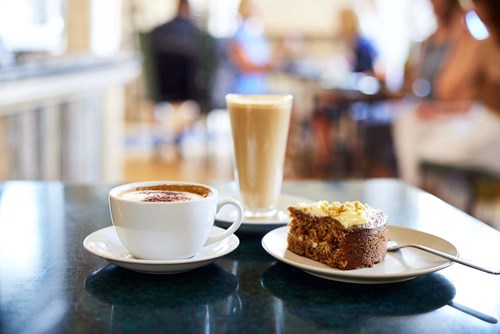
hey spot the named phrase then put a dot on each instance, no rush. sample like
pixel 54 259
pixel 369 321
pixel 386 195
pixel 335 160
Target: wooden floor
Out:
pixel 151 154
pixel 180 169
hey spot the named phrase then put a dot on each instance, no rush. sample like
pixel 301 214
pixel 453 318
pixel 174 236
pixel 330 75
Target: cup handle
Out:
pixel 236 222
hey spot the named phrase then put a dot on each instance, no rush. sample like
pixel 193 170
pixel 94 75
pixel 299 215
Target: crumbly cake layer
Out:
pixel 325 239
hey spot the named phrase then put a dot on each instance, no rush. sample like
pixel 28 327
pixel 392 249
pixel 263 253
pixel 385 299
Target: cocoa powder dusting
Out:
pixel 165 196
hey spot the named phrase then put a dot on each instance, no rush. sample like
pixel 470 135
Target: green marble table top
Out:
pixel 50 284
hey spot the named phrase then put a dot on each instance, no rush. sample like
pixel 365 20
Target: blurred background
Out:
pixel 112 91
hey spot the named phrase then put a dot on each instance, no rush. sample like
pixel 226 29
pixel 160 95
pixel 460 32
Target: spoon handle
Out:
pixel 453 258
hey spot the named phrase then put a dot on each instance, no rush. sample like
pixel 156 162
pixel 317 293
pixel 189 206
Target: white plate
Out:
pixel 261 225
pixel 398 266
pixel 105 243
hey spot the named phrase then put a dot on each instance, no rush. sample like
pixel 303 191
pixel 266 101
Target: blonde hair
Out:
pixel 246 8
pixel 349 22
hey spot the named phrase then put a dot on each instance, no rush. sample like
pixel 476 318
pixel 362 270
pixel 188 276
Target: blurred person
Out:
pixel 429 59
pixel 460 124
pixel 249 52
pixel 183 57
pixel 362 51
pixel 361 57
pixel 489 57
pixel 182 65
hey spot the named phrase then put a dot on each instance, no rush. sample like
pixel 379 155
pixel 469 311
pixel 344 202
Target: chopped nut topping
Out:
pixel 337 208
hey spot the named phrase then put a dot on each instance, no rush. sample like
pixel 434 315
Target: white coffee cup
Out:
pixel 168 220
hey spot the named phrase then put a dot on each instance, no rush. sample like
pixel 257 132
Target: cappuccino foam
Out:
pixel 166 193
pixel 160 196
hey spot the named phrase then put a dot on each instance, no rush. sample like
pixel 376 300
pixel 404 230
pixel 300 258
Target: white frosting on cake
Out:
pixel 347 213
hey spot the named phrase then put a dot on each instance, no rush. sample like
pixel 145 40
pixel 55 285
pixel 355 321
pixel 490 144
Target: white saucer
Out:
pixel 105 244
pixel 257 225
pixel 399 266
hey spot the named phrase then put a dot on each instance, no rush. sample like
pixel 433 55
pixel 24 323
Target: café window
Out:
pixel 32 25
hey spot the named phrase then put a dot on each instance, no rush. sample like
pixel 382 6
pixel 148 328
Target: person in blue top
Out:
pixel 362 50
pixel 249 53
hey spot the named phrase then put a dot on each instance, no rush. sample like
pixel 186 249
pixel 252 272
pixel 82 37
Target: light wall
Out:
pixel 310 18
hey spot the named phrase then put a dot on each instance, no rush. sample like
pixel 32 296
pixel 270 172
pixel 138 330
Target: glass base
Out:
pixel 260 214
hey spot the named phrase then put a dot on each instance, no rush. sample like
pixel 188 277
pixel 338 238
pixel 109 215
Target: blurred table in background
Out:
pixel 351 125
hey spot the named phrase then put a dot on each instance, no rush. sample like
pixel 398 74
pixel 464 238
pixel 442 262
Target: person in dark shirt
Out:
pixel 179 59
pixel 183 58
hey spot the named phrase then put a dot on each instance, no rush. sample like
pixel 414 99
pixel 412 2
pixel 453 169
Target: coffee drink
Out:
pixel 159 196
pixel 259 125
pixel 168 220
pixel 166 193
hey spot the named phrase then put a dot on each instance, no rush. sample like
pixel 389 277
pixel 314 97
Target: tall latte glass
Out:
pixel 259 125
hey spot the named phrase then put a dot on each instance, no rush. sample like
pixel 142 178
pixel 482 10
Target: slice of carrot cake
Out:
pixel 347 235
